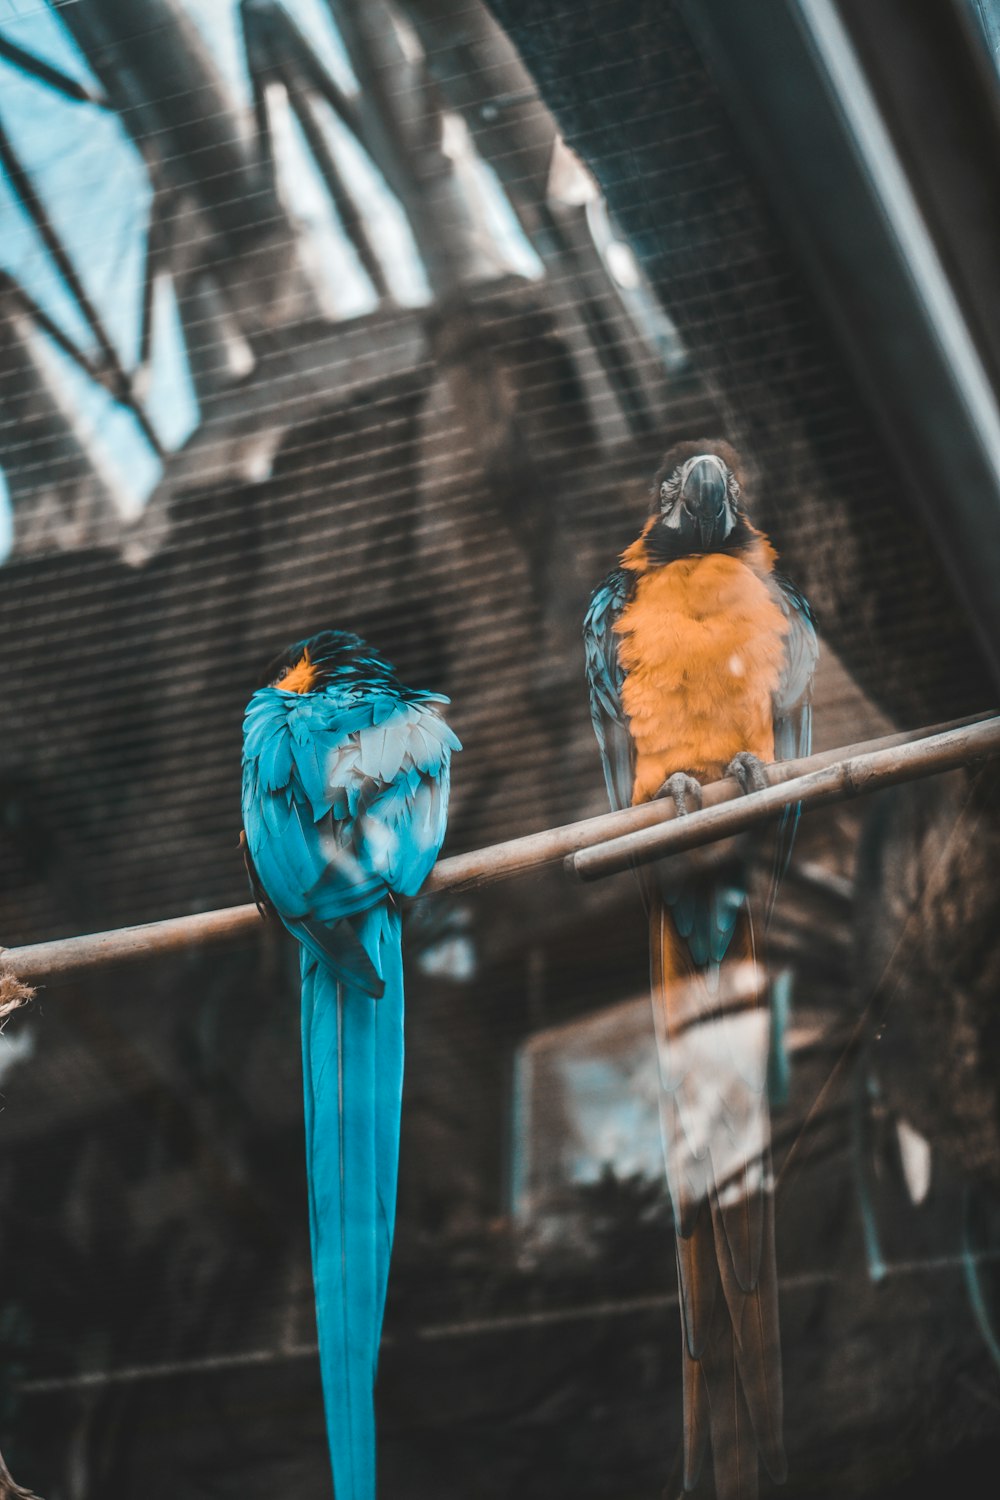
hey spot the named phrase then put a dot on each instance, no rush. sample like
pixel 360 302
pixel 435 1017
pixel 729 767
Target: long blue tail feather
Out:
pixel 352 1053
pixel 388 1098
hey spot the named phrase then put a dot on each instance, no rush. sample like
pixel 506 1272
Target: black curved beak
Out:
pixel 705 497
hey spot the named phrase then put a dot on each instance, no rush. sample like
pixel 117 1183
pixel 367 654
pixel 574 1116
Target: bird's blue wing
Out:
pixel 344 801
pixel 793 698
pixel 300 858
pixel 604 679
pixel 792 707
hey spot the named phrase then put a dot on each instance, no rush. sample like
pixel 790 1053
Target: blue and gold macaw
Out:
pixel 700 661
pixel 345 801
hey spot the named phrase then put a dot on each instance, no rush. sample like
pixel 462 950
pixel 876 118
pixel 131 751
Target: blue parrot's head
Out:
pixel 309 664
pixel 698 495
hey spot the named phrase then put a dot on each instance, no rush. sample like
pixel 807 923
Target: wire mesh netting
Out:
pixel 311 316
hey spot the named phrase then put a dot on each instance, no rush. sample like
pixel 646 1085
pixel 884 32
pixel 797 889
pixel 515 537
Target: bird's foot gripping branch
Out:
pixel 813 782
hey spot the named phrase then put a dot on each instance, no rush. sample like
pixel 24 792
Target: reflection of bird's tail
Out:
pixel 352 1053
pixel 712 1031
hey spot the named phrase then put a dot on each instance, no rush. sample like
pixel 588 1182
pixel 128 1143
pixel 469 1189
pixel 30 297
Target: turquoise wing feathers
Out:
pixel 345 802
pixel 345 799
pixel 604 680
pixel 793 700
pixel 793 714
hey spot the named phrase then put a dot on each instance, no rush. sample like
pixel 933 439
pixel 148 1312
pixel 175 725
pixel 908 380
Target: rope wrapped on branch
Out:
pixel 14 993
pixel 591 848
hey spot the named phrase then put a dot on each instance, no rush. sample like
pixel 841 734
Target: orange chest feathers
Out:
pixel 702 648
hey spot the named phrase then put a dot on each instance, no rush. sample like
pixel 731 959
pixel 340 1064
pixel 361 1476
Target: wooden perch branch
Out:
pixel 632 835
pixel 463 872
pixel 851 776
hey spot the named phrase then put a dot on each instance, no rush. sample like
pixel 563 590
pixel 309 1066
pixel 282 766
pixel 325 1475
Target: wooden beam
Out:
pixel 851 776
pixel 632 835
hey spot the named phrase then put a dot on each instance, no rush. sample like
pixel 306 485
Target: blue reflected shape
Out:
pixel 221 27
pixel 6 520
pixel 38 29
pixel 121 453
pixel 24 256
pixel 316 23
pixel 93 185
pixel 502 224
pixel 388 225
pixel 986 15
pixel 506 247
pixel 222 31
pixel 171 403
pixel 329 256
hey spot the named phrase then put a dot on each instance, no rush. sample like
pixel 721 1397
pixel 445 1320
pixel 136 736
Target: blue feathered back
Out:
pixel 345 800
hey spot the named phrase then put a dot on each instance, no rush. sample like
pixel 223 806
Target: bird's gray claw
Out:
pixel 685 790
pixel 748 770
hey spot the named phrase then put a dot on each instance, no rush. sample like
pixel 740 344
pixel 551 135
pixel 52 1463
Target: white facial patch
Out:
pixel 669 509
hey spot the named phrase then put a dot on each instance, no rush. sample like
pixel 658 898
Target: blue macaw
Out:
pixel 345 802
pixel 700 660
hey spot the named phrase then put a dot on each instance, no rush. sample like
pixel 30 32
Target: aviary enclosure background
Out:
pixel 309 316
